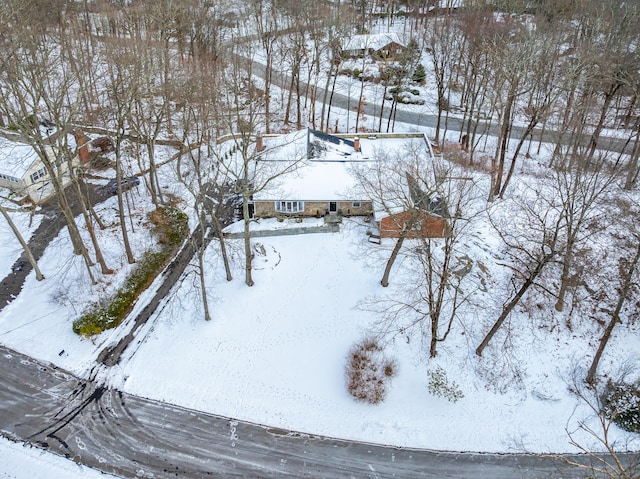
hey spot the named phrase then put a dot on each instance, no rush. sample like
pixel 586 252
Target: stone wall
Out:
pixel 266 209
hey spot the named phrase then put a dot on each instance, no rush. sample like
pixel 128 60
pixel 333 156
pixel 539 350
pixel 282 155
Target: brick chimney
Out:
pixel 83 146
pixel 356 144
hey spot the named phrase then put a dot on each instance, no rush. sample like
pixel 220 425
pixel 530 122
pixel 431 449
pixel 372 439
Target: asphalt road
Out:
pixel 131 436
pixel 423 115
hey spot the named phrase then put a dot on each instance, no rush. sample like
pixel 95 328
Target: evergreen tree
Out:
pixel 419 75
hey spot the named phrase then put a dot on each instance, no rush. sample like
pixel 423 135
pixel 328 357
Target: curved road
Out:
pixel 131 436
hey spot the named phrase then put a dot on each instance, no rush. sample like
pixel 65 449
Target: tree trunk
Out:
pixel 289 97
pixel 298 106
pixel 504 141
pixel 532 123
pixel 324 97
pixel 615 317
pixel 23 243
pixel 333 89
pixel 123 224
pixel 248 254
pixel 394 254
pixel 632 173
pixel 94 241
pixel 267 88
pixel 593 142
pixel 516 299
pixel 359 109
pixel 203 286
pixel 223 247
pixel 564 278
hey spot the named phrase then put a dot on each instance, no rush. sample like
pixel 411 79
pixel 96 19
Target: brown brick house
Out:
pixel 414 223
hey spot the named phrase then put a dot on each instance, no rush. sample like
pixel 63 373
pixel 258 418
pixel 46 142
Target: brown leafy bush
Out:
pixel 369 371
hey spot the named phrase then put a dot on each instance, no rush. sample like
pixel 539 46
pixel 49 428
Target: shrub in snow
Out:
pixel 172 226
pixel 621 403
pixel 439 385
pixel 110 313
pixel 369 371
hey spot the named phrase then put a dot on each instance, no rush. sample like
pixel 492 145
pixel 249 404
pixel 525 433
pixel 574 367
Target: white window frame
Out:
pixel 36 175
pixel 356 204
pixel 288 206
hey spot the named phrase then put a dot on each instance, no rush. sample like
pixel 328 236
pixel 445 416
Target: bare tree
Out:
pixel 411 190
pixel 604 456
pixel 36 85
pixel 628 268
pixel 122 90
pixel 579 189
pixel 443 38
pixel 23 243
pixel 530 236
pixel 385 182
pixel 245 167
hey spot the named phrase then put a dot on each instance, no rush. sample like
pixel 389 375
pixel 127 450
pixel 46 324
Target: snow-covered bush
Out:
pixel 621 403
pixel 369 371
pixel 439 385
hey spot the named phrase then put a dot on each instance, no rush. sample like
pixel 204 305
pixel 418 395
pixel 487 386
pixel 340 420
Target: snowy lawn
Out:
pixel 275 354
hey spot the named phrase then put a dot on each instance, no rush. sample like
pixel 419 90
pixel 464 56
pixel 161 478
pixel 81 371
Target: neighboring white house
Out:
pixel 23 172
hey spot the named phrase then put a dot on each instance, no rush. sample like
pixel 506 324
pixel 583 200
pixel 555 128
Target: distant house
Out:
pixel 23 172
pixel 381 46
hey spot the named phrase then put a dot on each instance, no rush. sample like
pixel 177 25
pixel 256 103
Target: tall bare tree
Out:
pixel 245 167
pixel 530 236
pixel 23 243
pixel 411 189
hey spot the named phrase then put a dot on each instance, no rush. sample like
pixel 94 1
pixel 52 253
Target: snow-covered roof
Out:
pixel 313 181
pixel 328 174
pixel 16 158
pixel 374 41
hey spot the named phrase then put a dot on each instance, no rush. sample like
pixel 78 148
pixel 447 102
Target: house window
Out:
pixel 41 173
pixel 289 206
pixel 9 178
pixel 355 204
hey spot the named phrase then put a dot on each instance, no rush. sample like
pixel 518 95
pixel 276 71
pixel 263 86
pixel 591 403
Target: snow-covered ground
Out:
pixel 19 461
pixel 275 353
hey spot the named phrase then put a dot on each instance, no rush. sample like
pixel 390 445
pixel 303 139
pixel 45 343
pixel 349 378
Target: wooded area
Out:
pixel 527 73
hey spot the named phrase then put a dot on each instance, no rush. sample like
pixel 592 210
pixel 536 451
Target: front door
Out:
pixel 333 207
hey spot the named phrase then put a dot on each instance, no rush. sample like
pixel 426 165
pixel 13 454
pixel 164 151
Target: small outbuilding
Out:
pixel 412 224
